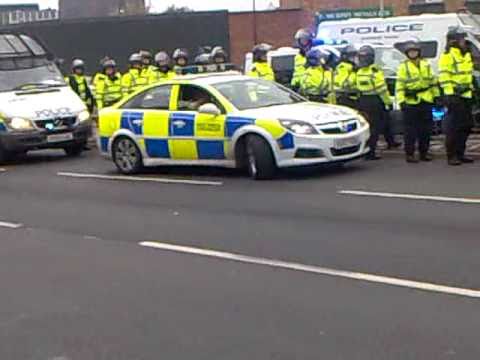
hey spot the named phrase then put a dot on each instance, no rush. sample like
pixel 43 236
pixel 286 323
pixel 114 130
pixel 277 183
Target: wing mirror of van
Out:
pixel 210 109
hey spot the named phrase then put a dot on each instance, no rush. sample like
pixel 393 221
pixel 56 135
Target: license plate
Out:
pixel 59 137
pixel 347 142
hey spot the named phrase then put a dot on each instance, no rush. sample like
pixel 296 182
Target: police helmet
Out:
pixel 349 52
pixel 260 52
pixel 180 54
pixel 303 38
pixel 202 59
pixel 411 45
pixel 332 55
pixel 456 33
pixel 219 55
pixel 78 64
pixel 135 58
pixel 145 54
pixel 366 56
pixel 317 57
pixel 162 59
pixel 109 63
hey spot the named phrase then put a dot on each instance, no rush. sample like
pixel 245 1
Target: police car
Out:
pixel 37 108
pixel 230 120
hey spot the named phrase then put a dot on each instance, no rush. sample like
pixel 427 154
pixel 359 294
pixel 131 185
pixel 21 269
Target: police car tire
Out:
pixel 260 160
pixel 136 166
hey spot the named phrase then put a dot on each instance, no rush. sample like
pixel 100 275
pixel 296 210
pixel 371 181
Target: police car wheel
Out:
pixel 127 156
pixel 260 160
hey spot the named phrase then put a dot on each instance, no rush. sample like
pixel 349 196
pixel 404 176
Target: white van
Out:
pixel 37 108
pixel 429 29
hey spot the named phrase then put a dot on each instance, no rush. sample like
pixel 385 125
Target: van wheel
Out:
pixel 74 150
pixel 260 161
pixel 126 156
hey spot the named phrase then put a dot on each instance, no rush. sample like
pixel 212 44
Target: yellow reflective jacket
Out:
pixel 456 73
pixel 132 81
pixel 316 82
pixel 370 80
pixel 79 85
pixel 416 83
pixel 109 90
pixel 262 70
pixel 300 67
pixel 342 75
pixel 159 76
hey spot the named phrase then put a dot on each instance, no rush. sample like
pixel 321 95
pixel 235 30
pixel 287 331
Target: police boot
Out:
pixel 454 162
pixel 426 157
pixel 466 160
pixel 411 159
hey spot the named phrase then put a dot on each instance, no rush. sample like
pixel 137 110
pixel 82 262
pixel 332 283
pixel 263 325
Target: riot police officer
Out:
pixel 78 83
pixel 303 41
pixel 260 67
pixel 218 55
pixel 181 58
pixel 456 81
pixel 133 80
pixel 416 90
pixel 346 95
pixel 163 69
pixel 316 80
pixel 109 86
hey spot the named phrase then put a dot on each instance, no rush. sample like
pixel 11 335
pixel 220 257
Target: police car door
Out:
pixel 195 135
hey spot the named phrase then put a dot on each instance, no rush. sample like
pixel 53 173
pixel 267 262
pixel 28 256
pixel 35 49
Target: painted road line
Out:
pixel 10 225
pixel 411 196
pixel 371 278
pixel 139 179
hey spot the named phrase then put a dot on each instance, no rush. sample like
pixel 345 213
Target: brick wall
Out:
pixel 400 7
pixel 274 27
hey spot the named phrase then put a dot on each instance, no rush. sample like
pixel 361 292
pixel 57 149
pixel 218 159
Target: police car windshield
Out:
pixel 44 76
pixel 256 93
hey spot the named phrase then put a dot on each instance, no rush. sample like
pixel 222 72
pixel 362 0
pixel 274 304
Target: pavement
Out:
pixel 374 260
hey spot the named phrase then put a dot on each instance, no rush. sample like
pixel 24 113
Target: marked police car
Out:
pixel 228 119
pixel 37 108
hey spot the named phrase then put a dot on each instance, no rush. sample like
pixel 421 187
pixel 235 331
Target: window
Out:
pixel 192 97
pixel 429 48
pixel 157 98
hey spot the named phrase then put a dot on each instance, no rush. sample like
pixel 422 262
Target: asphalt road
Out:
pixel 298 269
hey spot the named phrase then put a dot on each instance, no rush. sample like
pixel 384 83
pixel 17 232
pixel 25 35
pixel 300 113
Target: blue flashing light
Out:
pixel 438 113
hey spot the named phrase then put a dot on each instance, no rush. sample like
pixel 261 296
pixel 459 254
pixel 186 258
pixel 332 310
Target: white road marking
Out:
pixel 139 179
pixel 412 196
pixel 10 225
pixel 417 285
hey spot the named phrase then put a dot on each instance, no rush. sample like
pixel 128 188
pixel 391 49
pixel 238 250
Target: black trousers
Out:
pixel 344 100
pixel 373 108
pixel 418 127
pixel 457 126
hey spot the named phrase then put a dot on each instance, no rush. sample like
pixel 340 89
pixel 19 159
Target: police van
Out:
pixel 429 29
pixel 37 108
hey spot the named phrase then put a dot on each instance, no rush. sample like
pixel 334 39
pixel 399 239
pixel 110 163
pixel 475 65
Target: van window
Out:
pixel 429 48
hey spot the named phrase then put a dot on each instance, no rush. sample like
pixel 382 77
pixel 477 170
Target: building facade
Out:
pixel 22 13
pixel 70 9
pixel 398 7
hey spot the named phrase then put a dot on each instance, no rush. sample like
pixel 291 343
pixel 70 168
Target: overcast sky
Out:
pixel 160 5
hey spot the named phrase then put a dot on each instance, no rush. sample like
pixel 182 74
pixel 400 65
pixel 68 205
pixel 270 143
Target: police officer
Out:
pixel 218 55
pixel 416 90
pixel 78 82
pixel 163 69
pixel 260 67
pixel 456 81
pixel 133 80
pixel 180 58
pixel 303 41
pixel 332 61
pixel 316 80
pixel 346 94
pixel 109 85
pixel 374 97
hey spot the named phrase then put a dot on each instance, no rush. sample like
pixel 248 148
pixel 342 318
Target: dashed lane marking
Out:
pixel 139 179
pixel 448 199
pixel 10 225
pixel 371 278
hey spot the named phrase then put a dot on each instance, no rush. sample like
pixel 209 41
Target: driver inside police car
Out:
pixel 198 98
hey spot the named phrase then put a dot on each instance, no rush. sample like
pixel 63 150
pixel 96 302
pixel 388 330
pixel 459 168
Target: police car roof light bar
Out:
pixel 206 69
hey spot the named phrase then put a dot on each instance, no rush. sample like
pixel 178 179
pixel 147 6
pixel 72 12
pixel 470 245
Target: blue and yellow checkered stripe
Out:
pixel 3 128
pixel 182 136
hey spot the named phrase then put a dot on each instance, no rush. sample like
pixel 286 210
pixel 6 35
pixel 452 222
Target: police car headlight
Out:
pixel 299 127
pixel 84 116
pixel 19 124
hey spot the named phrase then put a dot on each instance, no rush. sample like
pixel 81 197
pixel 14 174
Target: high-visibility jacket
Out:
pixel 132 81
pixel 300 67
pixel 109 90
pixel 79 85
pixel 456 73
pixel 370 80
pixel 316 82
pixel 159 76
pixel 416 83
pixel 262 70
pixel 341 84
pixel 96 77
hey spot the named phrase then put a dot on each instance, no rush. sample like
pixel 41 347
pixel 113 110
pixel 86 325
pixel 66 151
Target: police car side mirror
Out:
pixel 210 109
